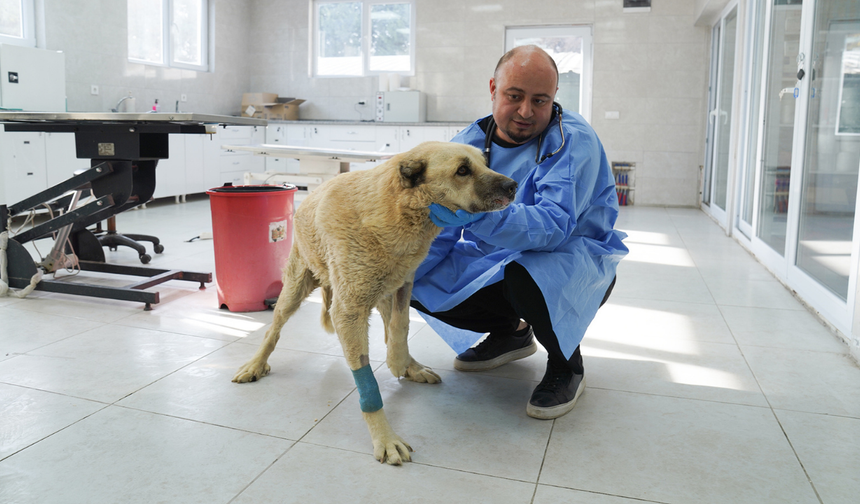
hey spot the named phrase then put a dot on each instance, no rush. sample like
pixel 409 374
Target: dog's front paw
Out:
pixel 399 367
pixel 251 371
pixel 392 449
pixel 420 373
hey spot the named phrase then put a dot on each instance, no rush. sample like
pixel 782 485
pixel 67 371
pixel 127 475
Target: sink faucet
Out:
pixel 124 98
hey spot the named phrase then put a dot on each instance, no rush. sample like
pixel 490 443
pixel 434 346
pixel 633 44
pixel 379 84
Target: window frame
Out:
pixel 167 33
pixel 366 6
pixel 28 13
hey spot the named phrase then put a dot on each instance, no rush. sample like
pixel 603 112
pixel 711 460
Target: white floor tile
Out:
pixel 754 293
pixel 680 368
pixel 196 313
pixel 300 390
pixel 815 382
pixel 625 320
pixel 829 447
pixel 468 422
pixel 547 494
pixel 30 415
pixel 673 450
pixel 309 473
pixel 24 330
pixel 773 327
pixel 106 363
pixel 644 280
pixel 83 307
pixel 122 455
pixel 6 301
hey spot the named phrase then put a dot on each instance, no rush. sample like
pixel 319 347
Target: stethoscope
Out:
pixel 491 128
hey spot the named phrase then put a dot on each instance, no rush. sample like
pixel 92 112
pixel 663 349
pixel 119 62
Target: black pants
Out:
pixel 499 307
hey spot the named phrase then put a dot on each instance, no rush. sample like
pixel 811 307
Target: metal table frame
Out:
pixel 124 149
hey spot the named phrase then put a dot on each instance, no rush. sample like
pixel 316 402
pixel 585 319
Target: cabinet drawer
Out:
pixel 236 141
pixel 231 163
pixel 353 146
pixel 235 132
pixel 351 133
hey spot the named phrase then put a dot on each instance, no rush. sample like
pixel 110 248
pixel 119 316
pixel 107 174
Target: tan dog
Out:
pixel 361 236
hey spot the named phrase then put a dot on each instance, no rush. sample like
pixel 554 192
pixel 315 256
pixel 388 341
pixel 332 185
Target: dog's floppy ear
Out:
pixel 412 172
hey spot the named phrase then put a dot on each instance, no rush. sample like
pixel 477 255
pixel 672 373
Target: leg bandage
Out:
pixel 369 397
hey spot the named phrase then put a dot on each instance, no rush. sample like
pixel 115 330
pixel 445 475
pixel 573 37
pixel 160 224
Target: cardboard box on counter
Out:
pixel 270 107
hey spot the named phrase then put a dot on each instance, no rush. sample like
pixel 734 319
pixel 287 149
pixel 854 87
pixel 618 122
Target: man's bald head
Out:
pixel 522 55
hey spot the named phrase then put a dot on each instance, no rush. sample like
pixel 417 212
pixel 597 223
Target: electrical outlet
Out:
pixel 183 98
pixel 94 90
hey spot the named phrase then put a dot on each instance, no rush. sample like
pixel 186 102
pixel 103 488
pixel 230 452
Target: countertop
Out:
pixel 372 123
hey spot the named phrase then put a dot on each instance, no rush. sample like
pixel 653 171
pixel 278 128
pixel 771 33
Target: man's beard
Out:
pixel 517 137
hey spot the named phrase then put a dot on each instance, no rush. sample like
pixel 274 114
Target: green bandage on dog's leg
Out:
pixel 369 397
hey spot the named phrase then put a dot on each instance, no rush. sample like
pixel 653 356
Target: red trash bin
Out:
pixel 252 229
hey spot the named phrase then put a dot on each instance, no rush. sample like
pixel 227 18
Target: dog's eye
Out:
pixel 463 170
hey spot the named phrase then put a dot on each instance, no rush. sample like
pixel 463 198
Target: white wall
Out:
pixel 652 68
pixel 94 36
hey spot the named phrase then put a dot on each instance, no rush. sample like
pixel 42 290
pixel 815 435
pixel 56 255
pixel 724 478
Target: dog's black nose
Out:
pixel 510 187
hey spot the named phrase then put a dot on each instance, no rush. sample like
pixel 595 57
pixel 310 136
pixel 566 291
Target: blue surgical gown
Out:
pixel 559 227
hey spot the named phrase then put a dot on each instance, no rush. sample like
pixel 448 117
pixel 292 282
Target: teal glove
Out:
pixel 443 217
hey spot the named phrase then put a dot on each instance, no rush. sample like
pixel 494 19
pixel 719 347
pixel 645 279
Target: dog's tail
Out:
pixel 325 317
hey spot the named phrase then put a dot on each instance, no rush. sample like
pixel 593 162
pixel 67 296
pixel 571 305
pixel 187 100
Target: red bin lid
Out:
pixel 231 189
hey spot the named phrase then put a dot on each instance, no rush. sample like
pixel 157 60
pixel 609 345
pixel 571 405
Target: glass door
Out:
pixel 809 153
pixel 831 160
pixel 755 32
pixel 780 95
pixel 712 112
pixel 720 116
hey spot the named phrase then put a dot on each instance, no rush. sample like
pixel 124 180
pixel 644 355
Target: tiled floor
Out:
pixel 707 382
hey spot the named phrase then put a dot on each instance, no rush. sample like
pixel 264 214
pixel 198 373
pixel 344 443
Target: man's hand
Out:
pixel 443 217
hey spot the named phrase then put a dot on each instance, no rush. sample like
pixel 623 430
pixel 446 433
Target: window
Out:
pixel 363 37
pixel 169 33
pixel 17 23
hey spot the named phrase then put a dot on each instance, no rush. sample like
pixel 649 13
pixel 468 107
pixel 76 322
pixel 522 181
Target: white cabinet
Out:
pixel 22 158
pixel 170 173
pixel 411 136
pixel 386 139
pixel 298 135
pixel 33 161
pixel 61 157
pixel 222 166
pixel 276 134
pixel 359 137
pixel 195 170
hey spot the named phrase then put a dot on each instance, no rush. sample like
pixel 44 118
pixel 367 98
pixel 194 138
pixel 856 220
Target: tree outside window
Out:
pixel 169 33
pixel 366 37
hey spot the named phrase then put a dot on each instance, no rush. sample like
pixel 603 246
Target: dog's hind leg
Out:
pixel 395 315
pixel 299 282
pixel 325 316
pixel 351 324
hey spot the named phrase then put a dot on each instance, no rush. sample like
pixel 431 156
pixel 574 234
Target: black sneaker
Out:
pixel 497 349
pixel 556 394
